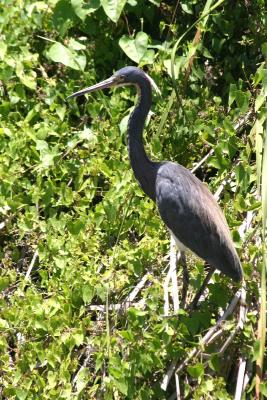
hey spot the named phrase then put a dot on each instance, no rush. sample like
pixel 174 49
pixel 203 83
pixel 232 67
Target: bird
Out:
pixel 185 204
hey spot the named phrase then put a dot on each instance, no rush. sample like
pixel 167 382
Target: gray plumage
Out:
pixel 185 204
pixel 184 201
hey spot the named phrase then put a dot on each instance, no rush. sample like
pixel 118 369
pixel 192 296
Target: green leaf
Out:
pixel 62 54
pixel 155 2
pixel 232 94
pixel 242 100
pixel 256 350
pixel 196 371
pixel 3 323
pixel 74 227
pixel 122 386
pixel 81 379
pixel 28 79
pixel 21 393
pixel 264 49
pixel 186 8
pixel 3 49
pixel 87 294
pixel 78 338
pixel 75 45
pixel 64 16
pixel 82 9
pixel 134 48
pixel 113 8
pixel 259 102
pixel 179 62
pixel 263 388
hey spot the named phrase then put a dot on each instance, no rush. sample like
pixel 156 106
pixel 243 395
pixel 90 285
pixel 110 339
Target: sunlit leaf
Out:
pixel 259 101
pixel 62 54
pixel 134 48
pixel 81 379
pixel 113 8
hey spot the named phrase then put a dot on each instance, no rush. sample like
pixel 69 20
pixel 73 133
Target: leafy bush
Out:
pixel 78 234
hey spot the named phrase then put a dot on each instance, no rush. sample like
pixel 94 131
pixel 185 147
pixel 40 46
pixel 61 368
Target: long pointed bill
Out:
pixel 110 82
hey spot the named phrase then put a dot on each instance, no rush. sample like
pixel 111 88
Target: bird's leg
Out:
pixel 185 278
pixel 193 305
pixel 171 276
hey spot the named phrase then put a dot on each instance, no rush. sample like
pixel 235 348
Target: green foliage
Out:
pixel 76 231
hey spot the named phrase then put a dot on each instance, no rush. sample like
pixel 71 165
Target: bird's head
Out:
pixel 124 76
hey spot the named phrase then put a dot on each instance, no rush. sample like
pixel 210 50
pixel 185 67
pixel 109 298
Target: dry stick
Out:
pixel 240 378
pixel 171 275
pixel 177 385
pixel 185 279
pixel 128 302
pixel 173 267
pixel 240 325
pixel 202 160
pixel 88 351
pixel 3 224
pixel 28 273
pixel 168 375
pixel 244 227
pixel 218 192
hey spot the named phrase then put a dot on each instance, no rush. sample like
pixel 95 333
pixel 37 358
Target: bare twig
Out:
pixel 3 224
pixel 29 270
pixel 185 278
pixel 88 352
pixel 244 227
pixel 177 385
pixel 137 288
pixel 241 320
pixel 171 276
pixel 167 377
pixel 202 160
pixel 240 378
pixel 128 302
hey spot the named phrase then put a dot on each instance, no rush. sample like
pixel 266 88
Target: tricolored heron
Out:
pixel 185 204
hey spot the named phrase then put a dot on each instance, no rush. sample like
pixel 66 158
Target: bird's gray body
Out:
pixel 193 216
pixel 185 204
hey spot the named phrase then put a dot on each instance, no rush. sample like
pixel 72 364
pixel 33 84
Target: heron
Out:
pixel 185 204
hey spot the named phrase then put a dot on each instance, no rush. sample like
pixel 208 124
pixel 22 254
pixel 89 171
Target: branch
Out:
pixel 128 302
pixel 240 378
pixel 171 275
pixel 28 273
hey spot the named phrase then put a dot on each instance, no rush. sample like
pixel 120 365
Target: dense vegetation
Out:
pixel 78 234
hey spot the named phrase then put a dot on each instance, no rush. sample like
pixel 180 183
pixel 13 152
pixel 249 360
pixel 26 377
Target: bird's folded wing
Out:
pixel 190 211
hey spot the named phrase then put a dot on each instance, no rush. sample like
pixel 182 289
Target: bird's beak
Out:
pixel 110 82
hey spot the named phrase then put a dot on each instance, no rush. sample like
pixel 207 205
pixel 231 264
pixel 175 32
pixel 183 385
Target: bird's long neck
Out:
pixel 144 169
